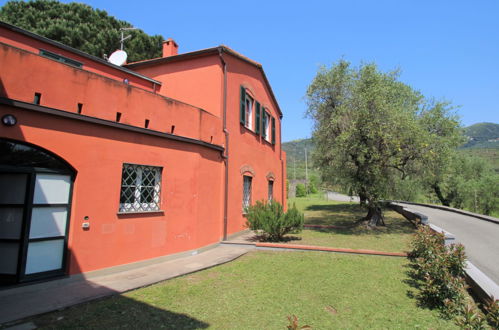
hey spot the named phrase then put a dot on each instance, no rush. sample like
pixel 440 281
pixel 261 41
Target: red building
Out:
pixel 102 165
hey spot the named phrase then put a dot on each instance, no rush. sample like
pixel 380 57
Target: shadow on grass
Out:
pixel 263 238
pixel 117 312
pixel 347 216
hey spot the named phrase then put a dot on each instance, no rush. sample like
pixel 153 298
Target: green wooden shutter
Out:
pixel 242 111
pixel 264 123
pixel 273 130
pixel 257 118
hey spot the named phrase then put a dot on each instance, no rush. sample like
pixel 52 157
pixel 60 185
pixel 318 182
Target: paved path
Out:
pixel 480 237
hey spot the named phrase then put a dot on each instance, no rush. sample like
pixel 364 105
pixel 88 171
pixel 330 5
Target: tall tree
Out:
pixel 369 130
pixel 80 26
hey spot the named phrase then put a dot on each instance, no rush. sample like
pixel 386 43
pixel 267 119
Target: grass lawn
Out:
pixel 259 290
pixel 394 237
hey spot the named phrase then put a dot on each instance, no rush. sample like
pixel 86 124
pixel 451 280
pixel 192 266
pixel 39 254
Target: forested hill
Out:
pixel 483 141
pixel 482 135
pixel 80 26
pixel 296 148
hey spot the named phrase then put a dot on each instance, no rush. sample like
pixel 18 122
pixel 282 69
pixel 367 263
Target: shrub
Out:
pixel 426 244
pixel 301 191
pixel 312 188
pixel 470 317
pixel 271 219
pixel 440 270
pixel 492 312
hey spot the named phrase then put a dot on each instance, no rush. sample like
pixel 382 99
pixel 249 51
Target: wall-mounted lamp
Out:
pixel 9 120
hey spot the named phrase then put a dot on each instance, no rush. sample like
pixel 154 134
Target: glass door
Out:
pixel 13 189
pixel 35 200
pixel 48 222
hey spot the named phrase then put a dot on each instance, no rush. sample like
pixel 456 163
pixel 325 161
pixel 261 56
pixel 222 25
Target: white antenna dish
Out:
pixel 118 57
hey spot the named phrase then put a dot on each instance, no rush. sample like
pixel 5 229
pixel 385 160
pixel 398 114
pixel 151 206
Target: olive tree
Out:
pixel 369 129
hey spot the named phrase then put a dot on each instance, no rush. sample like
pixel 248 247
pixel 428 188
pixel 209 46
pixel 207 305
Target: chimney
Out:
pixel 170 48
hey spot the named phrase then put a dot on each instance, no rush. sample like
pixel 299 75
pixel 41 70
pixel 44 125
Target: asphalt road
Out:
pixel 334 196
pixel 480 237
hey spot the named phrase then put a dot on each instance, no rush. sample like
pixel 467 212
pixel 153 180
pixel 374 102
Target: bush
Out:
pixel 273 221
pixel 301 191
pixel 492 312
pixel 440 270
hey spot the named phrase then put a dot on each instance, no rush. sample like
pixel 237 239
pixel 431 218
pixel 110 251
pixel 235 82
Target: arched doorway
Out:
pixel 35 203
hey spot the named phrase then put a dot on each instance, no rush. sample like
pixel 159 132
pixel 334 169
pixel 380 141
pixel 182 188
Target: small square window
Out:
pixel 140 188
pixel 246 192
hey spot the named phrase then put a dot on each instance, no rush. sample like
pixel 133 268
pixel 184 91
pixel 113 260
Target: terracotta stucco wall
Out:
pixel 63 87
pixel 197 81
pixel 248 149
pixel 192 175
pixel 33 45
pixel 191 190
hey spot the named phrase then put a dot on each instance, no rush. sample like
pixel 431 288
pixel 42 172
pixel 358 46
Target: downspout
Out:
pixel 226 155
pixel 284 178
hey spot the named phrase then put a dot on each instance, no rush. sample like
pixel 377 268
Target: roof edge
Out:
pixel 74 50
pixel 204 52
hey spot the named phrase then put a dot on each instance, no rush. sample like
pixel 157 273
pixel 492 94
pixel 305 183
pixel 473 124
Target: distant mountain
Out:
pixel 482 135
pixel 483 141
pixel 295 156
pixel 296 148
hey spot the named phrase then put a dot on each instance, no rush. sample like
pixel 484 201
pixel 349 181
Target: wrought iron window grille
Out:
pixel 140 188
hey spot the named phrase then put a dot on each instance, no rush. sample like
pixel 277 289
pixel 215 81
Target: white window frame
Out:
pixel 266 125
pixel 137 206
pixel 249 103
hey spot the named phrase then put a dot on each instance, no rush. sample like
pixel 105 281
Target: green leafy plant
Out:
pixel 492 313
pixel 439 269
pixel 90 30
pixel 301 191
pixel 471 317
pixel 270 218
pixel 426 244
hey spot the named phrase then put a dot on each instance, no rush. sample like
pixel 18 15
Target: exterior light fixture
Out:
pixel 9 120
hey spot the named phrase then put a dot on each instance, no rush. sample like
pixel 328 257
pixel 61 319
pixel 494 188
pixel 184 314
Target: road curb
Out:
pixel 481 284
pixel 451 209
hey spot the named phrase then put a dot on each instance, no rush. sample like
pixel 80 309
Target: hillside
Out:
pixel 295 155
pixel 483 141
pixel 482 135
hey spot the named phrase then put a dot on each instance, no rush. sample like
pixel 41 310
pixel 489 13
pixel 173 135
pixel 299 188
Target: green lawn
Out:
pixel 259 290
pixel 394 237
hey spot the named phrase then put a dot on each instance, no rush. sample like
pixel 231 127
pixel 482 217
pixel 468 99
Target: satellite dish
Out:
pixel 118 57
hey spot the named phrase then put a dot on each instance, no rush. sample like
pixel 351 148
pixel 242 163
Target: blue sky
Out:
pixel 448 50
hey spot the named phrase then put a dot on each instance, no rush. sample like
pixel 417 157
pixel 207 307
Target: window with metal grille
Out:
pixel 271 190
pixel 140 188
pixel 246 192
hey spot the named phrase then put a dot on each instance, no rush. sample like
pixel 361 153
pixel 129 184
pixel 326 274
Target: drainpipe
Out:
pixel 226 132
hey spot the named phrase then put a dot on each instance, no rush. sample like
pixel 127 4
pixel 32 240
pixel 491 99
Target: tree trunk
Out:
pixel 362 198
pixel 375 216
pixel 440 196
